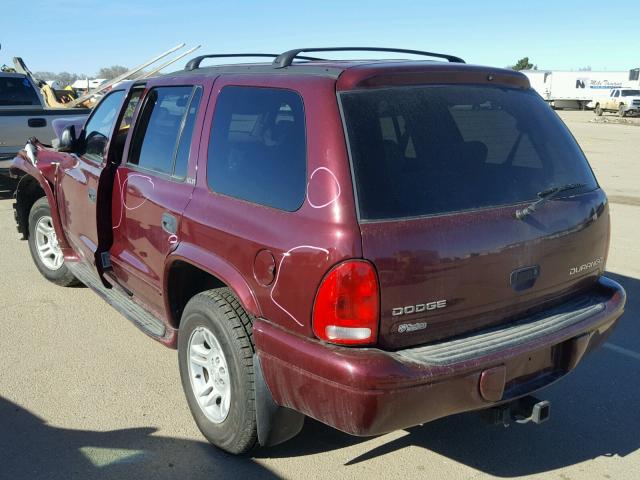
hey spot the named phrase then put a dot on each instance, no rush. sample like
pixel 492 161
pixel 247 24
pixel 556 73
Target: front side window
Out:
pixel 257 148
pixel 17 91
pixel 631 93
pixel 99 126
pixel 159 125
pixel 436 149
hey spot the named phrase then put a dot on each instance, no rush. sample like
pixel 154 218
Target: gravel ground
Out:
pixel 84 394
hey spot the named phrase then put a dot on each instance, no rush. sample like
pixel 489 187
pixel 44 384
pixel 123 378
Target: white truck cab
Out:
pixel 624 101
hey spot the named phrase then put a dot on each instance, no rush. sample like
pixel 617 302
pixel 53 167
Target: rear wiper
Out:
pixel 544 197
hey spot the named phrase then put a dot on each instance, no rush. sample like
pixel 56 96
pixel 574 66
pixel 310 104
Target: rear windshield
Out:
pixel 17 91
pixel 436 149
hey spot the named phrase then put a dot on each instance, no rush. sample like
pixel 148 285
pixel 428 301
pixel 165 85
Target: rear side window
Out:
pixel 17 91
pixel 437 149
pixel 184 146
pixel 162 120
pixel 257 149
pixel 122 131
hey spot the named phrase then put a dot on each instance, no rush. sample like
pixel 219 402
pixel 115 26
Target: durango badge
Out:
pixel 585 266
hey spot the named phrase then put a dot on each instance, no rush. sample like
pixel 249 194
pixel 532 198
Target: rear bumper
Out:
pixel 366 391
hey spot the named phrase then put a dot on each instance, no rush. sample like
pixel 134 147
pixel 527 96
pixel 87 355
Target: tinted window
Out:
pixel 257 150
pixel 17 91
pixel 184 146
pixel 156 136
pixel 430 150
pixel 121 133
pixel 99 126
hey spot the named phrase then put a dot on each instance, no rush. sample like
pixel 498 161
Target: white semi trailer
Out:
pixel 563 89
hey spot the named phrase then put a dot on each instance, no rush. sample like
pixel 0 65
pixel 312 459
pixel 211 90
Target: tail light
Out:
pixel 346 310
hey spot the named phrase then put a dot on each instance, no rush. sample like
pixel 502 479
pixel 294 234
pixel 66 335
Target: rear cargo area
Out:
pixel 440 172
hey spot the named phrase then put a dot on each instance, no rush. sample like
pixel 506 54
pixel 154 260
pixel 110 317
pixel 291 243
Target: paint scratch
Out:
pixel 287 254
pixel 123 189
pixel 338 190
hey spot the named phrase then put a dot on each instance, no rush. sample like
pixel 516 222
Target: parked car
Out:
pixel 624 101
pixel 23 115
pixel 374 244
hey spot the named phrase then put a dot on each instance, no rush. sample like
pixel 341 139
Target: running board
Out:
pixel 119 300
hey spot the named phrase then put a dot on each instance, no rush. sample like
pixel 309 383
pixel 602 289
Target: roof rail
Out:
pixel 194 63
pixel 286 59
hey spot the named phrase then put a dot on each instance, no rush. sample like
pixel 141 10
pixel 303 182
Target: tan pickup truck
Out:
pixel 624 101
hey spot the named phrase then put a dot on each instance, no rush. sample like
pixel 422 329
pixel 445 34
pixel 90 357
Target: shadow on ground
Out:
pixel 595 412
pixel 31 449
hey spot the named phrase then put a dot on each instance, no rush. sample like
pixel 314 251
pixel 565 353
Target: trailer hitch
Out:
pixel 523 410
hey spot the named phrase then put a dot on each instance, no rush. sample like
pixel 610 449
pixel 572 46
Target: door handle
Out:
pixel 37 122
pixel 91 193
pixel 169 223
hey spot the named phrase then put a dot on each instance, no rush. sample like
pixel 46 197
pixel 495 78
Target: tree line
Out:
pixel 66 78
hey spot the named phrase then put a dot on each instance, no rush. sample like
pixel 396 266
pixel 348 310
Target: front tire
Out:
pixel 215 356
pixel 44 247
pixel 598 110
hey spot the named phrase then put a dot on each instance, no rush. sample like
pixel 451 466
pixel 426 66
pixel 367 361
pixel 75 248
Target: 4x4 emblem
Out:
pixel 411 327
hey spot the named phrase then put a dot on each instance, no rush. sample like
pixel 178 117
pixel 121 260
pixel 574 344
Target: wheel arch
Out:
pixel 190 270
pixel 30 175
pixel 28 191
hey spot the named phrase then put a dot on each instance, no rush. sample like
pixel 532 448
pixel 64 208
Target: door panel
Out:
pixel 78 187
pixel 80 177
pixel 141 244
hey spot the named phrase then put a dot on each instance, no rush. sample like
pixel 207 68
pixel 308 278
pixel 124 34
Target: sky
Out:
pixel 81 36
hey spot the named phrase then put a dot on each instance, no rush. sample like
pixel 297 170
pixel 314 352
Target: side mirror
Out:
pixel 68 140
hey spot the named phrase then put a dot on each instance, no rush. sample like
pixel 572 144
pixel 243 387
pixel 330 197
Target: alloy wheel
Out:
pixel 47 245
pixel 209 375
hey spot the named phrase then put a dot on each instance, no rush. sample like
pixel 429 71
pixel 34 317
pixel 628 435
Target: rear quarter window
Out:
pixel 257 147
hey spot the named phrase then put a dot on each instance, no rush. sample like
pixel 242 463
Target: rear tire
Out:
pixel 215 356
pixel 598 110
pixel 44 247
pixel 621 111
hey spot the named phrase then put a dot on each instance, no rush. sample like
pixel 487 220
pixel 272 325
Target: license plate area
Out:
pixel 531 371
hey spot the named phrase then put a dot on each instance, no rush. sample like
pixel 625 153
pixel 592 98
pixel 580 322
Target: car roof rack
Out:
pixel 286 59
pixel 194 63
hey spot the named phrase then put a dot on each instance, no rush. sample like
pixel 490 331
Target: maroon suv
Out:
pixel 372 243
